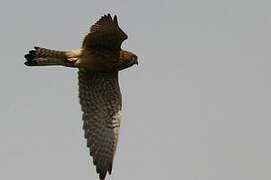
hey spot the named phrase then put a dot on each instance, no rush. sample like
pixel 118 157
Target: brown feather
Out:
pixel 105 33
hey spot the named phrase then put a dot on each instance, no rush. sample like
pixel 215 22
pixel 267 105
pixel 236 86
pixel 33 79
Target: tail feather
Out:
pixel 46 57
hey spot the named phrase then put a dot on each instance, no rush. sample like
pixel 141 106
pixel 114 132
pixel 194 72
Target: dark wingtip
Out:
pixel 27 63
pixel 30 63
pixel 110 169
pixel 102 176
pixel 115 19
pixel 30 56
pixel 108 17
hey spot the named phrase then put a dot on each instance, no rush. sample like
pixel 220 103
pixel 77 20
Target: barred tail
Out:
pixel 47 57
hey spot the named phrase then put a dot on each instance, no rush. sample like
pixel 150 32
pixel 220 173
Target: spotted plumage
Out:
pixel 99 60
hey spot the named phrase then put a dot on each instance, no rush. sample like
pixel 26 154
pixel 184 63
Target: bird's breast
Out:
pixel 98 61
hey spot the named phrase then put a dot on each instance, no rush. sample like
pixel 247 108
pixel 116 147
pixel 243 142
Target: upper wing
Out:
pixel 105 33
pixel 100 100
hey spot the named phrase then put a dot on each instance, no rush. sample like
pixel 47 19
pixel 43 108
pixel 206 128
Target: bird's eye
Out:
pixel 134 58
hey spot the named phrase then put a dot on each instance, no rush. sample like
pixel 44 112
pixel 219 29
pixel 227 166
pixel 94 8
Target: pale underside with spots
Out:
pixel 98 60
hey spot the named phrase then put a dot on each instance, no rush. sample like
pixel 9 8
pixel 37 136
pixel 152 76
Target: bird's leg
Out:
pixel 74 55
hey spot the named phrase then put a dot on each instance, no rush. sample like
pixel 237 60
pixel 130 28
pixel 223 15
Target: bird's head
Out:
pixel 127 59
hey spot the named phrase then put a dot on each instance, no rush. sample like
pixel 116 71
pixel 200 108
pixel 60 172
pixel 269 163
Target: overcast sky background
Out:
pixel 198 106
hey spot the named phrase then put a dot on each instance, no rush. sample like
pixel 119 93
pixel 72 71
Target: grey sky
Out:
pixel 196 108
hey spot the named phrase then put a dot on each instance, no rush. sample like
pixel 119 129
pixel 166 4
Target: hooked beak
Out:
pixel 136 62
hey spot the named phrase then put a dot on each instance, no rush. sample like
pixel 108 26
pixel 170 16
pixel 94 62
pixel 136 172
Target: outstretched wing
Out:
pixel 100 100
pixel 105 33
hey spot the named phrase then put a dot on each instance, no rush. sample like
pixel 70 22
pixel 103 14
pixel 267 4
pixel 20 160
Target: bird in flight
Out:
pixel 99 60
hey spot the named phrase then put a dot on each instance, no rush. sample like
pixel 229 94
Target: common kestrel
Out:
pixel 99 60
